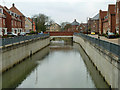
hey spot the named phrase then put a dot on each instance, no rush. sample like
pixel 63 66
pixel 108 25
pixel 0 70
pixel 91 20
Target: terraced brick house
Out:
pixel 3 26
pixel 118 17
pixel 94 23
pixel 18 20
pixel 102 14
pixel 55 27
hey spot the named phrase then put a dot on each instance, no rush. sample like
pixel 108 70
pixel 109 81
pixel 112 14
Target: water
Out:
pixel 60 65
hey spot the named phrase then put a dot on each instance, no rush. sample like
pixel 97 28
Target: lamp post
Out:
pixel 87 25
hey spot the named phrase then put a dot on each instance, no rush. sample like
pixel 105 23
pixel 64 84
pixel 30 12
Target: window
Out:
pixel 12 14
pixel 26 25
pixel 15 23
pixel 3 21
pixel 1 10
pixel 12 22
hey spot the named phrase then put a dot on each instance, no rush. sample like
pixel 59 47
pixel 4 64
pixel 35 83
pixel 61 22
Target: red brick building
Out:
pixel 102 14
pixel 111 18
pixel 105 25
pixel 3 26
pixel 82 27
pixel 18 20
pixel 12 20
pixel 74 26
pixel 107 20
pixel 93 23
pixel 118 17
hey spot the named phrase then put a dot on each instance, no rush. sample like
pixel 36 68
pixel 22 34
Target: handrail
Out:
pixel 18 39
pixel 111 47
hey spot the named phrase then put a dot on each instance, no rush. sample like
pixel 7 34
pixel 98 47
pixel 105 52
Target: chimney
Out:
pixel 75 20
pixel 13 5
pixel 118 0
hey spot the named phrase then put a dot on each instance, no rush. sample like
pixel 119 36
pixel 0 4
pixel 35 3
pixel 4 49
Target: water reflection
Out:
pixel 96 77
pixel 58 66
pixel 15 76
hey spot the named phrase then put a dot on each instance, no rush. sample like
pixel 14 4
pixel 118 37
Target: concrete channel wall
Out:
pixel 109 67
pixel 13 54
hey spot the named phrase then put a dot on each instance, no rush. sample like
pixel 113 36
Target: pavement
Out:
pixel 112 40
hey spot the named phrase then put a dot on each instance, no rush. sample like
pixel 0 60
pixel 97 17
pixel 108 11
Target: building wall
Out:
pixel 95 26
pixel 55 27
pixel 105 27
pixel 113 23
pixel 28 25
pixel 101 20
pixel 118 17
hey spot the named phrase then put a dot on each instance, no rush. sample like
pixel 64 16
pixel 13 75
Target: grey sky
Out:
pixel 60 10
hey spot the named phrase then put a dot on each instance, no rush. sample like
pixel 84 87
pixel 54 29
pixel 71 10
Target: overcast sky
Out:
pixel 60 10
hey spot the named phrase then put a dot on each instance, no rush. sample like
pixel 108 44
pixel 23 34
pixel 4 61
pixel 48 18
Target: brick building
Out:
pixel 21 22
pixel 105 25
pixel 111 18
pixel 74 26
pixel 118 17
pixel 107 20
pixel 3 27
pixel 102 14
pixel 82 27
pixel 93 23
pixel 55 27
pixel 12 20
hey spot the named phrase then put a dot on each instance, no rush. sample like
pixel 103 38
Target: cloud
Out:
pixel 61 10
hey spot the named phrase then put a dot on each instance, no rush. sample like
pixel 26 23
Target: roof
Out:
pixel 55 24
pixel 15 10
pixel 96 17
pixel 74 23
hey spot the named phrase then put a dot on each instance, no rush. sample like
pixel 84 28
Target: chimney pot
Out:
pixel 13 5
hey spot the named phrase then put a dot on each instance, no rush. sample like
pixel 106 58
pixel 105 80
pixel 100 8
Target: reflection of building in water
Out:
pixel 36 81
pixel 18 73
pixel 96 76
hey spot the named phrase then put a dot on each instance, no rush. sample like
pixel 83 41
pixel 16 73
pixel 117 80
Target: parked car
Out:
pixel 22 34
pixel 92 33
pixel 11 34
pixel 110 35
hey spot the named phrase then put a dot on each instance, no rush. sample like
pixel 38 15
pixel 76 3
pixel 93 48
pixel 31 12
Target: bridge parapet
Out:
pixel 60 33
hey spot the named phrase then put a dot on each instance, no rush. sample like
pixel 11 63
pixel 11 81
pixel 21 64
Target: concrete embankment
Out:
pixel 13 54
pixel 108 66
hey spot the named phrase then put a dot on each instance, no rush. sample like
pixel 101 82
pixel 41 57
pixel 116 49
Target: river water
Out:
pixel 60 65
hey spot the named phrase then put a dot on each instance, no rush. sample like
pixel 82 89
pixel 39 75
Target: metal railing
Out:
pixel 12 40
pixel 111 47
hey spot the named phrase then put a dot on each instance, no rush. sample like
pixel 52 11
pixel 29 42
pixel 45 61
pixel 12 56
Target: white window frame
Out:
pixel 1 10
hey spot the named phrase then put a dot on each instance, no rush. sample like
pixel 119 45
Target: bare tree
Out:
pixel 41 20
pixel 63 25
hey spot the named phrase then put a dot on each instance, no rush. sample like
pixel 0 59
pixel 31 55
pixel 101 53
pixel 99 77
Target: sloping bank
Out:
pixel 107 63
pixel 14 53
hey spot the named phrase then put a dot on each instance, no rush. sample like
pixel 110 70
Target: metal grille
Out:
pixel 7 41
pixel 111 47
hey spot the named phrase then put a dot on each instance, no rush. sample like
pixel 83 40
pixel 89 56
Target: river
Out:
pixel 60 65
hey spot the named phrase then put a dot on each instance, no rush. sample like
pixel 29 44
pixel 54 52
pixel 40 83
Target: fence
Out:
pixel 6 41
pixel 113 48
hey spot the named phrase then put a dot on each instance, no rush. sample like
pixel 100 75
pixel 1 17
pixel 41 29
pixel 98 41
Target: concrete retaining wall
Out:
pixel 108 66
pixel 13 54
